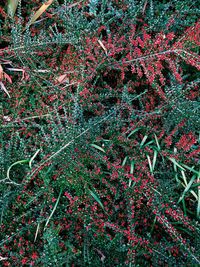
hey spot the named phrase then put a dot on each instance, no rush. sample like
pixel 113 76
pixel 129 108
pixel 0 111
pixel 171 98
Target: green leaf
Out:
pixel 95 196
pixel 191 169
pixel 53 210
pixel 150 165
pixel 184 177
pixel 32 158
pixel 132 166
pixel 124 161
pixel 150 142
pixel 157 143
pixel 12 7
pixel 98 147
pixel 176 163
pixel 143 140
pixel 198 205
pixel 23 161
pixel 154 159
pixel 187 188
pixel 195 185
pixel 134 131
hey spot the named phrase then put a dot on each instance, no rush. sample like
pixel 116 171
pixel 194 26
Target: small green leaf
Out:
pixel 98 147
pixel 184 207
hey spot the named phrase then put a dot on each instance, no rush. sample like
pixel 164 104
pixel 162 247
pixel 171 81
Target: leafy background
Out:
pixel 99 153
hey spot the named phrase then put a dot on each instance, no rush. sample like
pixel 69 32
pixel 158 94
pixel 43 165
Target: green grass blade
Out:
pixel 176 163
pixel 157 143
pixel 95 196
pixel 187 188
pixel 12 7
pixel 154 159
pixel 150 164
pixel 134 131
pixel 98 147
pixel 143 140
pixel 33 157
pixel 184 177
pixel 16 163
pixel 124 161
pixel 47 222
pixel 198 201
pixel 190 169
pixel 132 166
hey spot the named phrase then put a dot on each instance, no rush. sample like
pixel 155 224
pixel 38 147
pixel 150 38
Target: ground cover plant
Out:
pixel 99 152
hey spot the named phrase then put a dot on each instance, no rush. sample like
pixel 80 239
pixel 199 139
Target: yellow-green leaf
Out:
pixel 12 7
pixel 40 11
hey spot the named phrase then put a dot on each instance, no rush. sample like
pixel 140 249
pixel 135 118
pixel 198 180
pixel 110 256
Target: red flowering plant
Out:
pixel 99 137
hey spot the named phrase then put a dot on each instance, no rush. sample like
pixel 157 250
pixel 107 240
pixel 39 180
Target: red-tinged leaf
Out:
pixel 62 78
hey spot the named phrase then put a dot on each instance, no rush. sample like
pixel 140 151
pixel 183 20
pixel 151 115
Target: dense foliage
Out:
pixel 100 115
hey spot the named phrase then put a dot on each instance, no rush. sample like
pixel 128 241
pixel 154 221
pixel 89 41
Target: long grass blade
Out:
pixel 95 196
pixel 150 164
pixel 47 222
pixel 98 147
pixel 176 163
pixel 154 159
pixel 33 157
pixel 40 11
pixel 134 131
pixel 187 188
pixel 124 161
pixel 157 143
pixel 16 163
pixel 12 7
pixel 143 140
pixel 132 166
pixel 198 202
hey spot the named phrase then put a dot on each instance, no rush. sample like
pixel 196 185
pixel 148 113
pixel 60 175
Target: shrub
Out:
pixel 99 134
